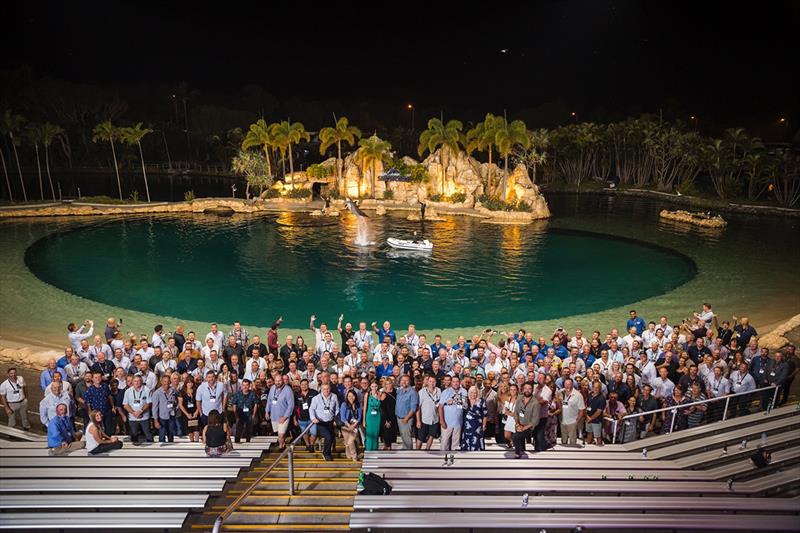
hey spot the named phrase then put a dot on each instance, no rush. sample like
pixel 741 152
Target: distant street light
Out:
pixel 410 107
pixel 574 115
pixel 693 118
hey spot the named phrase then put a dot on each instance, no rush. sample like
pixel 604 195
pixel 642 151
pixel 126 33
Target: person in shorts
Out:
pixel 428 427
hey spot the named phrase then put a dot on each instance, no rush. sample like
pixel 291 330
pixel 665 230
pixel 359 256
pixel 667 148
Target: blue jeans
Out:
pixel 304 424
pixel 175 424
pixel 166 431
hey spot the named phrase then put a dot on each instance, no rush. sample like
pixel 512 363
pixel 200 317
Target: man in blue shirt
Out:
pixel 406 410
pixel 451 414
pixel 46 377
pixel 281 405
pixel 61 439
pixel 386 330
pixel 635 322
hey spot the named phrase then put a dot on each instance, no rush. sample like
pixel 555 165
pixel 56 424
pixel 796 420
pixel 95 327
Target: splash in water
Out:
pixel 362 232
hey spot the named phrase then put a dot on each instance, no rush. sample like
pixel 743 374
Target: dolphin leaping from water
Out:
pixel 351 205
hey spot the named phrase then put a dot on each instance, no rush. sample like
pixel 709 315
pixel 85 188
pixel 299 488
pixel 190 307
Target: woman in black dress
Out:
pixel 388 417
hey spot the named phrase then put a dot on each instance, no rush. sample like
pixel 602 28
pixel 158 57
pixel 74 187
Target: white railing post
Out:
pixel 774 399
pixel 672 422
pixel 725 412
pixel 291 469
pixel 614 435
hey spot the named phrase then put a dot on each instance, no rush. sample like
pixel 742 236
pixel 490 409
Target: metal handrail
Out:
pixel 727 399
pixel 235 503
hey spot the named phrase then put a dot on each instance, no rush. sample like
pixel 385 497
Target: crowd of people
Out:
pixel 372 386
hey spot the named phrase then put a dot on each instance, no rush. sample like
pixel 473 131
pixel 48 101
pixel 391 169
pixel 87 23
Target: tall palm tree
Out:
pixel 49 133
pixel 34 135
pixel 448 136
pixel 134 135
pixel 5 171
pixel 507 136
pixel 481 138
pixel 9 125
pixel 372 151
pixel 107 132
pixel 259 135
pixel 286 134
pixel 342 132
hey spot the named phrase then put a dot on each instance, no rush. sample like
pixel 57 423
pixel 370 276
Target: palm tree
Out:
pixel 134 135
pixel 259 135
pixel 372 151
pixel 342 132
pixel 11 124
pixel 49 133
pixel 507 136
pixel 285 135
pixel 481 138
pixel 448 136
pixel 106 131
pixel 34 135
pixel 5 171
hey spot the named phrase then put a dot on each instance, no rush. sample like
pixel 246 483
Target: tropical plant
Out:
pixel 319 172
pixel 447 136
pixel 188 196
pixel 260 135
pixel 11 125
pixel 725 160
pixel 49 133
pixel 784 174
pixel 133 135
pixel 388 194
pixel 371 151
pixel 5 172
pixel 507 136
pixel 416 173
pixel 107 132
pixel 342 132
pixel 672 154
pixel 458 197
pixel 251 165
pixel 33 134
pixel 482 138
pixel 299 193
pixel 285 134
pixel 579 152
pixel 535 155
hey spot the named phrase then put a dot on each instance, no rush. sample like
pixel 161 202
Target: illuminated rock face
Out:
pixel 462 174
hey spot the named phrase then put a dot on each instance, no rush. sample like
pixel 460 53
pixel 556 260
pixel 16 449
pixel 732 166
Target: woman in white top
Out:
pixel 508 409
pixel 96 439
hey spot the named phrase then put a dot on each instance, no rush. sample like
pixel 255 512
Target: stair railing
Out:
pixel 287 452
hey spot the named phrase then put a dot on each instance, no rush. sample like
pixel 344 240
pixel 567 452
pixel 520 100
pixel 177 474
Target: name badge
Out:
pixel 305 405
pixel 761 371
pixel 245 409
pixel 190 405
pixel 326 409
pixel 212 398
pixel 263 397
pixel 522 413
pixel 275 401
pixel 170 405
pixel 373 412
pixel 137 404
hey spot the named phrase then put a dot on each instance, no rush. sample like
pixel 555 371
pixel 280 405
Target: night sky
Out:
pixel 717 59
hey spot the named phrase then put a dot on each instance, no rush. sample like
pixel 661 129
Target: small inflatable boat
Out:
pixel 402 244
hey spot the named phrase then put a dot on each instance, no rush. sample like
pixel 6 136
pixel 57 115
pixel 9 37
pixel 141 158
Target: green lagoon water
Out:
pixel 596 258
pixel 254 269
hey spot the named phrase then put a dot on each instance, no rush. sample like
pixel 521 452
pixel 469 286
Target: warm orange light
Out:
pixel 692 117
pixel 410 106
pixel 573 113
pixel 782 120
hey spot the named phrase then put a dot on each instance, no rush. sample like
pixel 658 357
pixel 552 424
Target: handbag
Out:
pixel 192 423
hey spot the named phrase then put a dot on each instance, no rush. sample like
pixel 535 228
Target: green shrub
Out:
pixel 102 200
pixel 320 172
pixel 188 196
pixel 273 193
pixel 299 193
pixel 437 197
pixel 458 197
pixel 496 204
pixel 388 194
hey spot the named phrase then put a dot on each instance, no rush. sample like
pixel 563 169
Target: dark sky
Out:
pixel 718 59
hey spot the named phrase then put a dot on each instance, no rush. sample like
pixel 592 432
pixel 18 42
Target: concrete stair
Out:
pixel 323 497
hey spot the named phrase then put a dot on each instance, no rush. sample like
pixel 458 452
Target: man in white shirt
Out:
pixel 319 332
pixel 76 335
pixel 75 370
pixel 362 337
pixel 647 369
pixel 628 339
pixel 192 343
pixel 216 336
pixel 573 409
pixel 165 364
pixel 326 345
pixel 412 339
pixel 665 327
pixel 706 316
pixel 493 365
pixel 649 334
pixel 149 379
pixel 145 350
pixel 428 413
pixel 211 395
pixel 311 374
pixel 323 411
pixel 15 403
pixel 51 401
pixel 120 360
pixel 136 403
pixel 84 352
pixel 662 386
pixel 158 337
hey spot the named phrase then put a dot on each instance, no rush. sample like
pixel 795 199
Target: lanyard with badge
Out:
pixel 137 402
pixel 14 387
pixel 327 404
